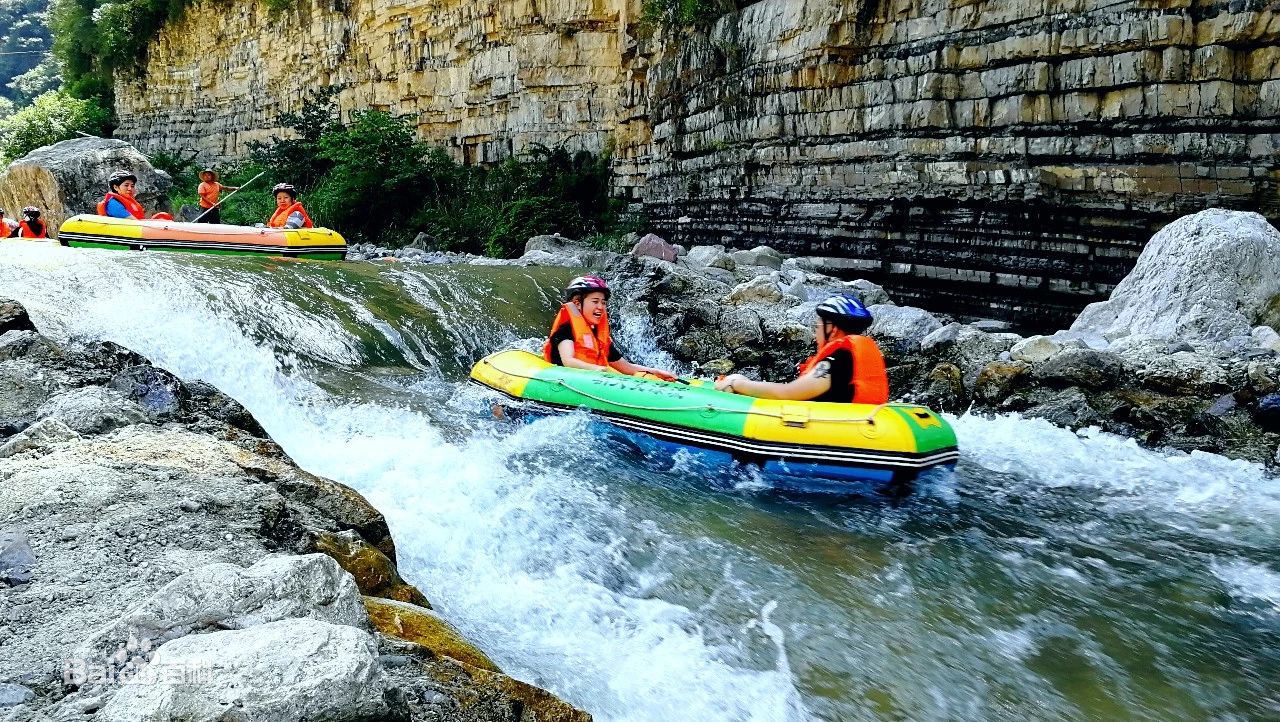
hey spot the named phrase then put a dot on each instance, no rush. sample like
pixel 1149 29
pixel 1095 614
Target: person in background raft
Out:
pixel 579 335
pixel 10 225
pixel 289 212
pixel 848 367
pixel 209 190
pixel 31 225
pixel 119 201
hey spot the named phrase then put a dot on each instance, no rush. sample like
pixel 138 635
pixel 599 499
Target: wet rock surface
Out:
pixel 149 527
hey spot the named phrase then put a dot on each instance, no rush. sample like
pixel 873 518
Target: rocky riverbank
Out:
pixel 1182 356
pixel 162 558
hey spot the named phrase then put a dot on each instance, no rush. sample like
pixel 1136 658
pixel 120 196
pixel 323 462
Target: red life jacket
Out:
pixel 134 207
pixel 870 382
pixel 26 231
pixel 592 348
pixel 281 216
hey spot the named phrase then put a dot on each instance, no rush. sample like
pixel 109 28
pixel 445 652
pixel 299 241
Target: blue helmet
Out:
pixel 846 312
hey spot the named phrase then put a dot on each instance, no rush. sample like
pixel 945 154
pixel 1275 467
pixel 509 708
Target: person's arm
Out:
pixel 624 366
pixel 569 360
pixel 810 386
pixel 116 209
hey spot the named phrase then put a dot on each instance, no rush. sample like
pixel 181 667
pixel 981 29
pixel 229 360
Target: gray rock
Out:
pixel 991 325
pixel 761 289
pixel 551 244
pixel 967 347
pixel 1186 373
pixel 26 388
pixel 92 410
pixel 13 317
pixel 868 293
pixel 12 695
pixel 1082 367
pixel 154 389
pixel 902 328
pixel 27 344
pixel 289 670
pixel 425 242
pixel 226 596
pixel 763 256
pixel 1266 337
pixel 655 247
pixel 538 257
pixel 1210 277
pixel 710 257
pixel 1035 349
pixel 39 435
pixel 1068 408
pixel 188 213
pixel 78 170
pixel 17 560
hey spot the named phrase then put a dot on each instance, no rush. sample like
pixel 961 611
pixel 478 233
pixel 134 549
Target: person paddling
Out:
pixel 848 366
pixel 30 226
pixel 119 202
pixel 10 225
pixel 289 212
pixel 579 335
pixel 209 190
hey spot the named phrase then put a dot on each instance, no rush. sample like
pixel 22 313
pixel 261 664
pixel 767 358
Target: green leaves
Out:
pixel 50 118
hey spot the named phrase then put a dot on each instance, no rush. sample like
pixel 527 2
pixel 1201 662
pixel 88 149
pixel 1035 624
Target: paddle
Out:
pixel 224 200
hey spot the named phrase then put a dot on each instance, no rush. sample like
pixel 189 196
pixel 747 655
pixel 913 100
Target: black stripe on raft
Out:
pixel 753 450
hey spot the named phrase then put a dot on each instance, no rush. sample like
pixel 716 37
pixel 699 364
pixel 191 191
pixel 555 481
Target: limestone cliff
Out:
pixel 1004 157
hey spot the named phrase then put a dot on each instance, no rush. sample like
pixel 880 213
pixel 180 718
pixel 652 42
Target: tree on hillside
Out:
pixel 24 44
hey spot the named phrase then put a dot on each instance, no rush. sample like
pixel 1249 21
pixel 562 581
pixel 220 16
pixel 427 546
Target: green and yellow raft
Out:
pixel 830 442
pixel 88 231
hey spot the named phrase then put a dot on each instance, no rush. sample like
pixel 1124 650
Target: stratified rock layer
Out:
pixel 992 158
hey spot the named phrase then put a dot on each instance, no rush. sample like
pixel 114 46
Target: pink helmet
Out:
pixel 585 284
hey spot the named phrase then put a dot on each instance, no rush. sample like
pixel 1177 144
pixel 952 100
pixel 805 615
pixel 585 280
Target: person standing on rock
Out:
pixel 209 190
pixel 31 225
pixel 579 337
pixel 848 367
pixel 289 212
pixel 9 224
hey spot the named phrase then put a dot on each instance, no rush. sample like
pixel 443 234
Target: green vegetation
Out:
pixel 50 118
pixel 24 45
pixel 93 39
pixel 684 13
pixel 375 181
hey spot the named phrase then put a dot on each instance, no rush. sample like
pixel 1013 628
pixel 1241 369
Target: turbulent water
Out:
pixel 1053 576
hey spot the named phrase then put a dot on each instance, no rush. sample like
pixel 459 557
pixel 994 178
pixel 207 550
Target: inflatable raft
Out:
pixel 840 443
pixel 88 231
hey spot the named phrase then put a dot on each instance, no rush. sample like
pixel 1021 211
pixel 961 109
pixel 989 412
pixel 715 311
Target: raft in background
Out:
pixel 90 231
pixel 806 443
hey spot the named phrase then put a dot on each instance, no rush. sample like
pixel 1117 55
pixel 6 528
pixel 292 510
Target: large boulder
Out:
pixel 285 671
pixel 1212 277
pixel 70 177
pixel 13 317
pixel 655 247
pixel 901 327
pixel 710 257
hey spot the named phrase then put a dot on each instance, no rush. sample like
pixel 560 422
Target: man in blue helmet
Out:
pixel 848 367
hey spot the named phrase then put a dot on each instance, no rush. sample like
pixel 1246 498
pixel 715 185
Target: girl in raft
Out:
pixel 30 226
pixel 119 201
pixel 289 212
pixel 579 337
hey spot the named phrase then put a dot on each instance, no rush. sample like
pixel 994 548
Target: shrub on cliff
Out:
pixel 50 118
pixel 375 181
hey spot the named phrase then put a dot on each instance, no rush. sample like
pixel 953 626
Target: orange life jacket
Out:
pixel 870 382
pixel 592 348
pixel 134 207
pixel 281 216
pixel 26 231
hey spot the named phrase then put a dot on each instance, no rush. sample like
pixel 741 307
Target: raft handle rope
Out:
pixel 868 419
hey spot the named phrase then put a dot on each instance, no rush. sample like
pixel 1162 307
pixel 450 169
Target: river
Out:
pixel 1052 576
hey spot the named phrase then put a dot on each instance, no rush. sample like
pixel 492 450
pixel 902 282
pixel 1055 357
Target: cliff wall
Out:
pixel 998 157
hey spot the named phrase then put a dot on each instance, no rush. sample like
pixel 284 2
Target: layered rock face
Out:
pixel 1004 158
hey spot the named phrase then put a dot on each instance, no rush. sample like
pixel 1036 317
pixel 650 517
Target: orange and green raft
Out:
pixel 838 442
